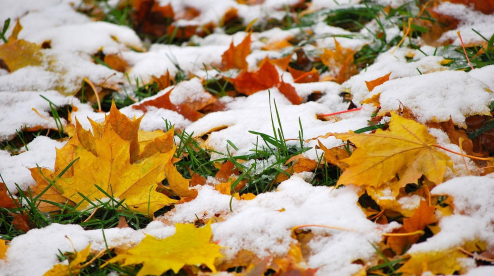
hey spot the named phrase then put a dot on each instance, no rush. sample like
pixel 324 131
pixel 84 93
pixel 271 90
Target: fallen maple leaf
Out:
pixel 18 54
pixel 249 83
pixel 74 266
pixel 116 62
pixel 373 83
pixel 304 77
pixel 188 246
pixel 187 108
pixel 6 201
pixel 289 92
pixel 335 155
pixel 443 262
pixel 405 151
pixel 235 56
pixel 151 18
pixel 340 62
pixel 111 159
pixel 422 216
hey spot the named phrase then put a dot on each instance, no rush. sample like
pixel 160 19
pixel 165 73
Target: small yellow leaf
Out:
pixel 73 268
pixel 188 246
pixel 3 248
pixel 438 262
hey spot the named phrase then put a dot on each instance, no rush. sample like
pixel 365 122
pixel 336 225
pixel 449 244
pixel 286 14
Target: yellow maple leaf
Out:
pixel 406 150
pixel 74 266
pixel 3 248
pixel 188 246
pixel 110 163
pixel 443 262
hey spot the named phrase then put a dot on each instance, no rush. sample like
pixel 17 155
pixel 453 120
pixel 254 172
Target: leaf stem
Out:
pixel 464 50
pixel 419 232
pixel 339 112
pixel 461 154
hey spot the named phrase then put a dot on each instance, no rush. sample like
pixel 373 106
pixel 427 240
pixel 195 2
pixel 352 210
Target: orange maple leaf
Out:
pixel 188 246
pixel 422 216
pixel 304 77
pixel 235 56
pixel 189 109
pixel 406 151
pixel 289 92
pixel 373 83
pixel 249 83
pixel 340 62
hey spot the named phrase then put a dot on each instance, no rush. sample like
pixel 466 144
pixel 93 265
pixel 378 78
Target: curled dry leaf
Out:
pixel 405 151
pixel 188 246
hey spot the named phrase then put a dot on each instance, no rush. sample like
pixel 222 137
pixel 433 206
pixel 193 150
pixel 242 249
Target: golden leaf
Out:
pixel 73 268
pixel 438 262
pixel 110 163
pixel 188 246
pixel 18 54
pixel 405 151
pixel 3 248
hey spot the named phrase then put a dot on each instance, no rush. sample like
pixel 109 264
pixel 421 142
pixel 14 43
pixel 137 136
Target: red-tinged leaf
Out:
pixel 373 83
pixel 289 92
pixel 181 32
pixel 249 83
pixel 22 222
pixel 5 200
pixel 484 6
pixel 235 56
pixel 304 77
pixel 422 216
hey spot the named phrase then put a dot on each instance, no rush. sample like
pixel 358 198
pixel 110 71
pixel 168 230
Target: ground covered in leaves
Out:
pixel 246 137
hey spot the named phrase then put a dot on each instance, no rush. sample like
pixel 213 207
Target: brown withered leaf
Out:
pixel 151 18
